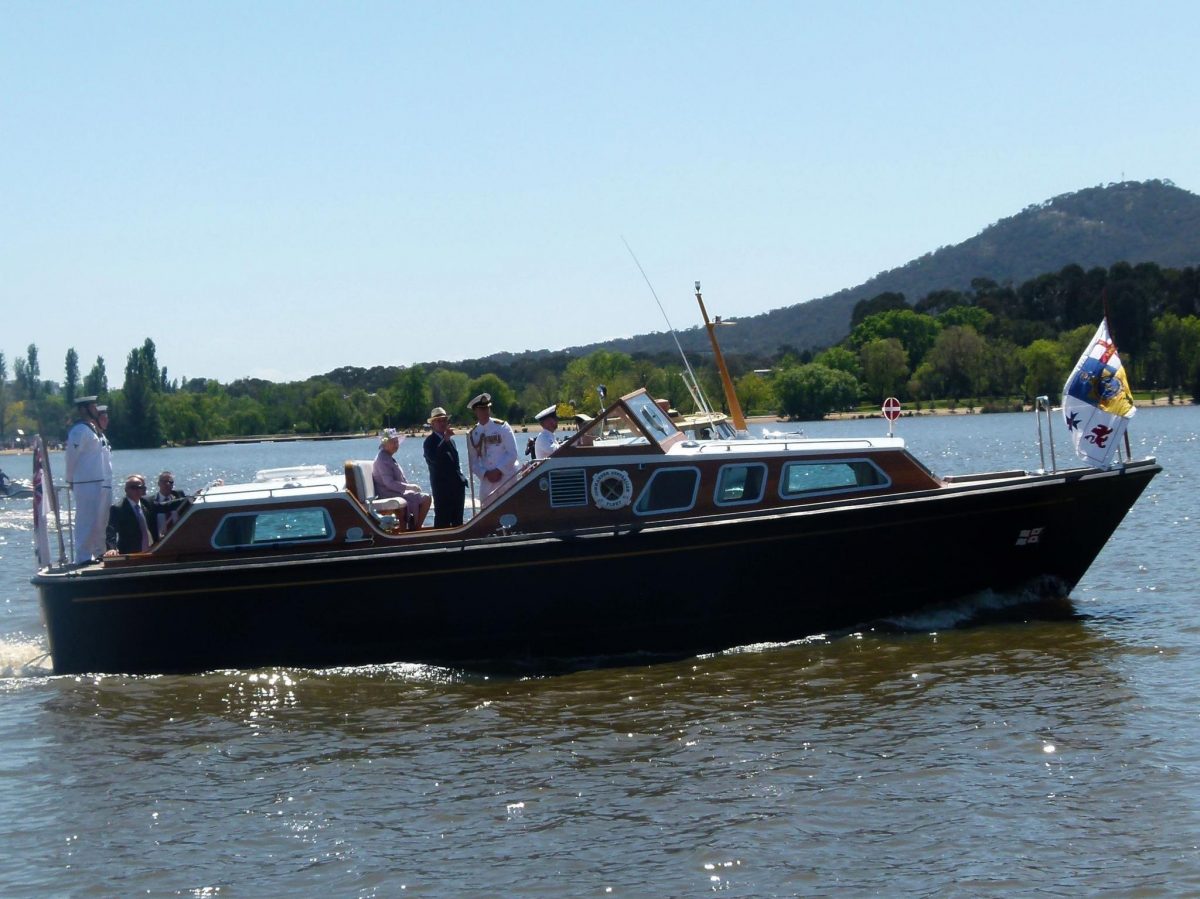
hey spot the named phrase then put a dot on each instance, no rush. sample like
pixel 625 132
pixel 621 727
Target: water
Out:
pixel 972 750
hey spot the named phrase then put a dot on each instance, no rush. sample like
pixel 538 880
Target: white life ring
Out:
pixel 611 489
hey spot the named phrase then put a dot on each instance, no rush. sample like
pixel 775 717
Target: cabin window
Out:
pixel 273 528
pixel 830 476
pixel 737 484
pixel 669 490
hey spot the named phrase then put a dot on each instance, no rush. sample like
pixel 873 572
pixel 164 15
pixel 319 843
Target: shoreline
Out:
pixel 1161 401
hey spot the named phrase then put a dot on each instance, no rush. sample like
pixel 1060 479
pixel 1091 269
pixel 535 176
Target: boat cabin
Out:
pixel 630 467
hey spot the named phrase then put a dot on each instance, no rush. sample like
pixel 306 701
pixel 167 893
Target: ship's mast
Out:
pixel 735 408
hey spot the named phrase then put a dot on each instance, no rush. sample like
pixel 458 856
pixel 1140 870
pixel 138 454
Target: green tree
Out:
pixel 1074 342
pixel 96 382
pixel 979 319
pixel 958 356
pixel 884 302
pixel 71 383
pixel 503 396
pixel 1177 340
pixel 811 391
pixel 916 332
pixel 1003 369
pixel 938 301
pixel 135 416
pixel 411 397
pixel 541 392
pixel 1046 369
pixel 329 412
pixel 246 417
pixel 884 368
pixel 448 389
pixel 27 373
pixel 582 377
pixel 840 358
pixel 182 420
pixel 926 383
pixel 755 394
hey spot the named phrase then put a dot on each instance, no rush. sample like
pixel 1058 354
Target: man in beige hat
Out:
pixel 494 458
pixel 446 480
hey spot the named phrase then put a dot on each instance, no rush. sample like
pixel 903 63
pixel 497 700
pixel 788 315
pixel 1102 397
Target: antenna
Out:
pixel 689 378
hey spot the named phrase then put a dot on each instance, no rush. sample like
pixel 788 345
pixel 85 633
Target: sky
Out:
pixel 276 190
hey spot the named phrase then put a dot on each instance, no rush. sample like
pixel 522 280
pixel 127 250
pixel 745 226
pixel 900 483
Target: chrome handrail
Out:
pixel 1042 404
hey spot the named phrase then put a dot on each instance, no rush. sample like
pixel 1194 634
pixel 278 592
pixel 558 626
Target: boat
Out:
pixel 16 490
pixel 577 557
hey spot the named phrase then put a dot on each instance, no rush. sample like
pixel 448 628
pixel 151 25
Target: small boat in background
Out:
pixel 16 490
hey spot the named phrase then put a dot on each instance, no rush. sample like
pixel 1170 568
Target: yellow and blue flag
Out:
pixel 1097 402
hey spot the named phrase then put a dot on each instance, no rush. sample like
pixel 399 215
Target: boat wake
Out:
pixel 23 657
pixel 986 608
pixel 1043 601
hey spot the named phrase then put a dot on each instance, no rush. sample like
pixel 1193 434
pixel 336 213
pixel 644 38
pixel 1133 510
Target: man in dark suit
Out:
pixel 446 480
pixel 133 522
pixel 166 493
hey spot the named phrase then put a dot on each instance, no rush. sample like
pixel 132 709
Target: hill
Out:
pixel 1152 221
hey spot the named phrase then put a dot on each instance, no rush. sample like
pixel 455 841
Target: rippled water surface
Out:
pixel 973 750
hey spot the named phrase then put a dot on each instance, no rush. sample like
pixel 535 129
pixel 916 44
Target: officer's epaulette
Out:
pixel 499 421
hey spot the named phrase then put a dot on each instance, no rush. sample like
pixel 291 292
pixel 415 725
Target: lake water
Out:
pixel 976 750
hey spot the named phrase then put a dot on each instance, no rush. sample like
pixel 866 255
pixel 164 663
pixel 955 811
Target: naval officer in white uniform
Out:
pixel 546 443
pixel 492 448
pixel 89 472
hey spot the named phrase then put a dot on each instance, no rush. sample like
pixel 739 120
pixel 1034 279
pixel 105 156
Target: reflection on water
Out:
pixel 691 765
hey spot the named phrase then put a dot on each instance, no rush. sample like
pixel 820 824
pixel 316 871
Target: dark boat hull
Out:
pixel 597 593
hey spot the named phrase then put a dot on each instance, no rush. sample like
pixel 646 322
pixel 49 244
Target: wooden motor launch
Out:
pixel 579 558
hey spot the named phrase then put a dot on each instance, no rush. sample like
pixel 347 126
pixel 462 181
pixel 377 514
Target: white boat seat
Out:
pixel 361 486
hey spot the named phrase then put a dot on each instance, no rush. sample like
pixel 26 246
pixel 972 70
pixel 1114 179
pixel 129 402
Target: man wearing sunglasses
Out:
pixel 166 493
pixel 133 522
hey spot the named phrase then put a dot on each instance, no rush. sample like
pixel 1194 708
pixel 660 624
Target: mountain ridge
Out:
pixel 1128 221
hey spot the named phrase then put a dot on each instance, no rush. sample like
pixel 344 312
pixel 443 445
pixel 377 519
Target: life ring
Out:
pixel 611 489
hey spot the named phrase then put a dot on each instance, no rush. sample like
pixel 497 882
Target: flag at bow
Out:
pixel 1097 403
pixel 42 492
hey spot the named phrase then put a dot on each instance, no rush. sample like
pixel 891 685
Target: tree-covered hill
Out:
pixel 1152 221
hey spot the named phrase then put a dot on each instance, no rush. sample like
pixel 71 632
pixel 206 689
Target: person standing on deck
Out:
pixel 545 444
pixel 493 449
pixel 446 480
pixel 166 493
pixel 89 474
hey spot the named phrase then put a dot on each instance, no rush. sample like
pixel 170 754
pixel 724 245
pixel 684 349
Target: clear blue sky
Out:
pixel 278 189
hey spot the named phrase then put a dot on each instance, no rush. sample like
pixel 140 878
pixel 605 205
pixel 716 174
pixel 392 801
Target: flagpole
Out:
pixel 1108 325
pixel 52 495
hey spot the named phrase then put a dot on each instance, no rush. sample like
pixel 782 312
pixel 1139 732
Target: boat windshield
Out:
pixel 634 420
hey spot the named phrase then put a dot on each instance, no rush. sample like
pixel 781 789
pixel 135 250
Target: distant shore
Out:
pixel 750 420
pixel 909 412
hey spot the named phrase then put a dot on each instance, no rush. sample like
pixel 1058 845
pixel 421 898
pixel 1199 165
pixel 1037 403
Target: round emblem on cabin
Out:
pixel 611 489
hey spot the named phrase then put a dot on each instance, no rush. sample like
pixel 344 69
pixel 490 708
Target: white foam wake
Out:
pixel 23 658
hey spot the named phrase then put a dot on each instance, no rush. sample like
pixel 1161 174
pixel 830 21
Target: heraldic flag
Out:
pixel 1097 403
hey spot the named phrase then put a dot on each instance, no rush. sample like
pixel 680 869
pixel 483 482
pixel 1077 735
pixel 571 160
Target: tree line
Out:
pixel 996 345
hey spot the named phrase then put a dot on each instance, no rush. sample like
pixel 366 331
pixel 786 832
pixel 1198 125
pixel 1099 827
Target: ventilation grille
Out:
pixel 568 488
